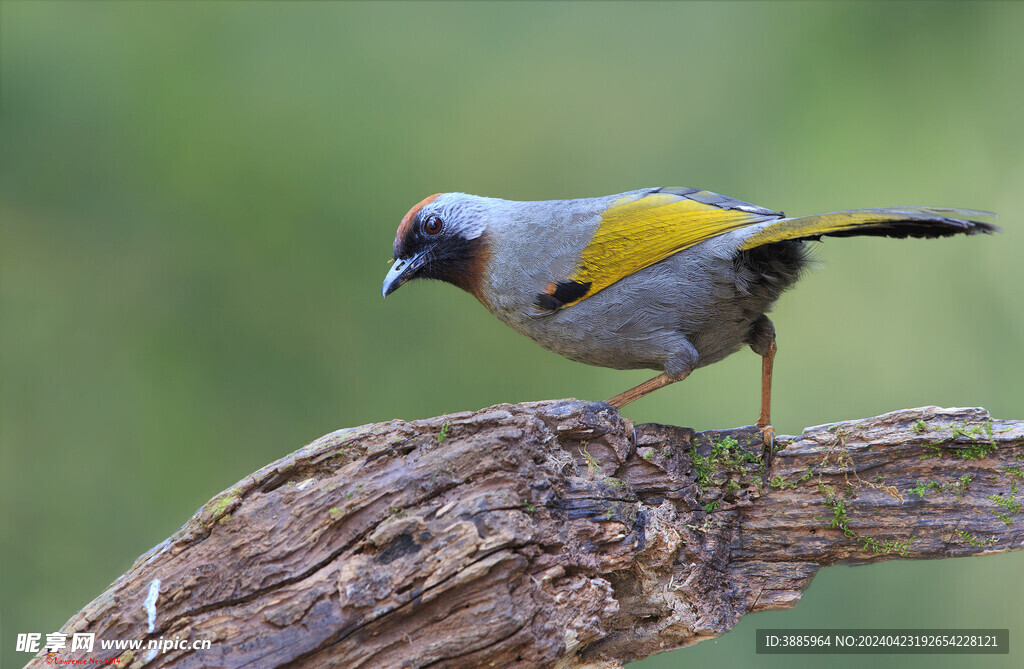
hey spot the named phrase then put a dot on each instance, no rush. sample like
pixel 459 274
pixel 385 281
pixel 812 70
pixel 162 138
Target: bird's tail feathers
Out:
pixel 888 222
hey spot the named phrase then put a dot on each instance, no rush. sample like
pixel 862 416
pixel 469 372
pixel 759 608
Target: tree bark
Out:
pixel 550 534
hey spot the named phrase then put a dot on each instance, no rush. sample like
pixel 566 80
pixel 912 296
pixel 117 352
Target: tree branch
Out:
pixel 551 532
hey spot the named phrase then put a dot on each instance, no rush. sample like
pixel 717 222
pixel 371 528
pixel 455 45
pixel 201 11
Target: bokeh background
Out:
pixel 198 200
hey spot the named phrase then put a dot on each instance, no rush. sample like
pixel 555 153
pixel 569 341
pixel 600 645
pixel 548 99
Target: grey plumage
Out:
pixel 690 309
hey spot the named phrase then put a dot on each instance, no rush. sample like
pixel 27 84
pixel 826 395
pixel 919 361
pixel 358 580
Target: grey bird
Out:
pixel 669 279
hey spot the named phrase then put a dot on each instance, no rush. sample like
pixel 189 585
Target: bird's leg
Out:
pixel 660 381
pixel 764 421
pixel 678 365
pixel 762 340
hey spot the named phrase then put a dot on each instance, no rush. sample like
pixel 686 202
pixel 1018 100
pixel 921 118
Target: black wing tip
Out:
pixel 923 223
pixel 981 227
pixel 942 222
pixel 946 227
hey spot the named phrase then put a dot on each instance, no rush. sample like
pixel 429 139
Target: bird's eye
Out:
pixel 433 225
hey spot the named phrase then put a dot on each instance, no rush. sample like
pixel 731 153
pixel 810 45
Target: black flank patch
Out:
pixel 565 292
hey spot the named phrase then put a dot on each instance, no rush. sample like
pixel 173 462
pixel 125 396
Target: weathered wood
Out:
pixel 552 533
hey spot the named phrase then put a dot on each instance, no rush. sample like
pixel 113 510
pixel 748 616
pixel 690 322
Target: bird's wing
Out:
pixel 887 222
pixel 637 231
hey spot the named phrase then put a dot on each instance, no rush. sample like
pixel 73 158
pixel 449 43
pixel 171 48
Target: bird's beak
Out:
pixel 401 271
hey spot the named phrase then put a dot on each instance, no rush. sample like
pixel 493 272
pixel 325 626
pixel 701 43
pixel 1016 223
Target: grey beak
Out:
pixel 401 271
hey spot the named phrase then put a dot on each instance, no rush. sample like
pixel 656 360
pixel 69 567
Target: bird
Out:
pixel 669 279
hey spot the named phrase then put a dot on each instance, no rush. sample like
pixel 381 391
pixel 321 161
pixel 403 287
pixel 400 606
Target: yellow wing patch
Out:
pixel 636 232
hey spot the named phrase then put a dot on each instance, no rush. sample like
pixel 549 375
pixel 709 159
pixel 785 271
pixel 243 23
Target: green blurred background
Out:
pixel 198 200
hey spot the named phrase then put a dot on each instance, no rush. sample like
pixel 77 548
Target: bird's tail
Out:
pixel 889 222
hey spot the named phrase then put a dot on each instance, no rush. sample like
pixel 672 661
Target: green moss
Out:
pixel 612 481
pixel 887 547
pixel 780 483
pixel 840 521
pixel 443 434
pixel 724 455
pixel 1013 472
pixel 839 518
pixel 725 466
pixel 1010 505
pixel 529 506
pixel 958 488
pixel 972 540
pixel 976 451
pixel 702 465
pixel 921 487
pixel 920 426
pixel 961 486
pixel 219 507
pixel 335 512
pixel 592 466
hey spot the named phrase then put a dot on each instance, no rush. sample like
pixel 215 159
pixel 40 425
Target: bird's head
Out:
pixel 443 237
